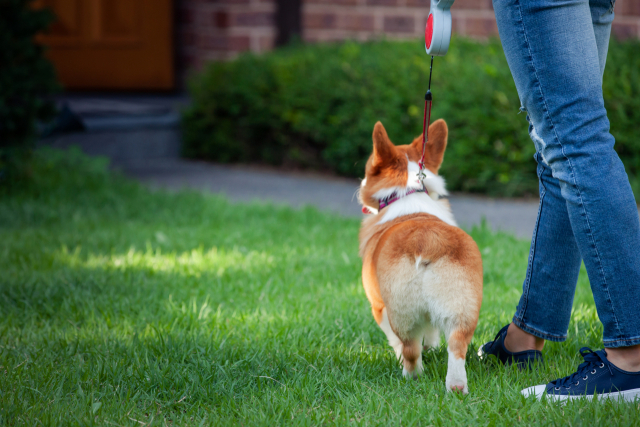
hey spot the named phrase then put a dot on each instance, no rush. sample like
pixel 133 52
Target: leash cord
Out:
pixel 428 99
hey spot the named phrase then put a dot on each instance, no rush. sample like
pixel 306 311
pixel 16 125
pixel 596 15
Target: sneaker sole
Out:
pixel 539 392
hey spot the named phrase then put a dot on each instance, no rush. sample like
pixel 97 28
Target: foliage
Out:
pixel 123 306
pixel 621 90
pixel 26 77
pixel 315 106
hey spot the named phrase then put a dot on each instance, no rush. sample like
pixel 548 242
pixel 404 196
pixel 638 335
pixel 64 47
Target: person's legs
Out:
pixel 556 52
pixel 545 305
pixel 556 267
pixel 544 310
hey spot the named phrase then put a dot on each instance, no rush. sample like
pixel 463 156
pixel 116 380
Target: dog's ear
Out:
pixel 383 148
pixel 438 133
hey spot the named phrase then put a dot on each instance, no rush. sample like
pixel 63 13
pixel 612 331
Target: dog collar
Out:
pixel 394 198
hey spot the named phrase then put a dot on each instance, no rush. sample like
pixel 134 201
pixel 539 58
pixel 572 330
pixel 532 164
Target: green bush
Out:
pixel 26 77
pixel 315 107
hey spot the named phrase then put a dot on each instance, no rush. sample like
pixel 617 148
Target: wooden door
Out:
pixel 111 44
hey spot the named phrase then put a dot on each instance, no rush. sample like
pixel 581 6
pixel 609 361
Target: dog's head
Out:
pixel 394 169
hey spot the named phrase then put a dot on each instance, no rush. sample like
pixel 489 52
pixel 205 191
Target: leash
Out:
pixel 437 36
pixel 428 100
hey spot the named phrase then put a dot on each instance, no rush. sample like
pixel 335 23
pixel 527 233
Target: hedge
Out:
pixel 315 107
pixel 26 78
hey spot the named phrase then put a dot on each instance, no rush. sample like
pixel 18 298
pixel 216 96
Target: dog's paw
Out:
pixel 456 386
pixel 417 369
pixel 411 375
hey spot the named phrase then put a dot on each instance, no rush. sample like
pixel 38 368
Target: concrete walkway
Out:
pixel 141 136
pixel 329 194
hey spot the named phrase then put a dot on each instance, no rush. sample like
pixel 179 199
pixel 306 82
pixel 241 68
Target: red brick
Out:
pixel 458 5
pixel 337 2
pixel 472 4
pixel 253 19
pixel 267 43
pixel 628 7
pixel 224 43
pixel 220 19
pixel 239 43
pixel 457 25
pixel 357 22
pixel 482 27
pixel 310 38
pixel 399 24
pixel 328 37
pixel 227 1
pixel 382 2
pixel 186 16
pixel 188 38
pixel 190 61
pixel 320 20
pixel 624 30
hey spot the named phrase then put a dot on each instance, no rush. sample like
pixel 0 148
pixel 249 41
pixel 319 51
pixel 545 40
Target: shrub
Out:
pixel 25 79
pixel 315 107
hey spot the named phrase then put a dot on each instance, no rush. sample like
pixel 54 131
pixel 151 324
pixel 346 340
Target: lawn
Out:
pixel 123 306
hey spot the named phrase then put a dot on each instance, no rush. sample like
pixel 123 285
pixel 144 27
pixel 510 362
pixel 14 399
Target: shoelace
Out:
pixel 498 335
pixel 592 361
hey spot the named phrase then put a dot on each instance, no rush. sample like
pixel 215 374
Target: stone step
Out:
pixel 129 130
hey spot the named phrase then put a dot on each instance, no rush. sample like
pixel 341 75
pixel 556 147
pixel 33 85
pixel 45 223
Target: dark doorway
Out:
pixel 288 21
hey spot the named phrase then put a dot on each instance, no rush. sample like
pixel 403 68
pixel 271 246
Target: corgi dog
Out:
pixel 421 273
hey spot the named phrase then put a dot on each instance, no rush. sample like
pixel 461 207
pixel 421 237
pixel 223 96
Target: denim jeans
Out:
pixel 556 50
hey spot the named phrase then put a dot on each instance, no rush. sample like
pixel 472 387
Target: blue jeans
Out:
pixel 556 50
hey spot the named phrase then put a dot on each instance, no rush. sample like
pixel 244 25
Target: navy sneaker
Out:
pixel 596 375
pixel 523 359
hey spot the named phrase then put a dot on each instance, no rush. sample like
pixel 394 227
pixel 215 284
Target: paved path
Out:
pixel 141 136
pixel 330 194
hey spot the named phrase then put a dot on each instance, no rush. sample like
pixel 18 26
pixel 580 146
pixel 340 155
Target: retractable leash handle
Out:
pixel 437 32
pixel 437 36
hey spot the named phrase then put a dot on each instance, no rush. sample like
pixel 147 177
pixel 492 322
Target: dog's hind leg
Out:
pixel 412 358
pixel 394 341
pixel 409 352
pixel 458 341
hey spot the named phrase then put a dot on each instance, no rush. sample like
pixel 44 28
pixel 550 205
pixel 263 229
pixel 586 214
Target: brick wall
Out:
pixel 220 29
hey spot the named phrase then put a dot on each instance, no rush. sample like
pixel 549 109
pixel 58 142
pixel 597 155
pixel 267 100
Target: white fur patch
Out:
pixel 370 208
pixel 386 192
pixel 456 374
pixel 434 184
pixel 394 341
pixel 417 202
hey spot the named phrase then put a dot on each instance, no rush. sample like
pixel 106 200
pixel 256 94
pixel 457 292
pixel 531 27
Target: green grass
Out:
pixel 122 306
